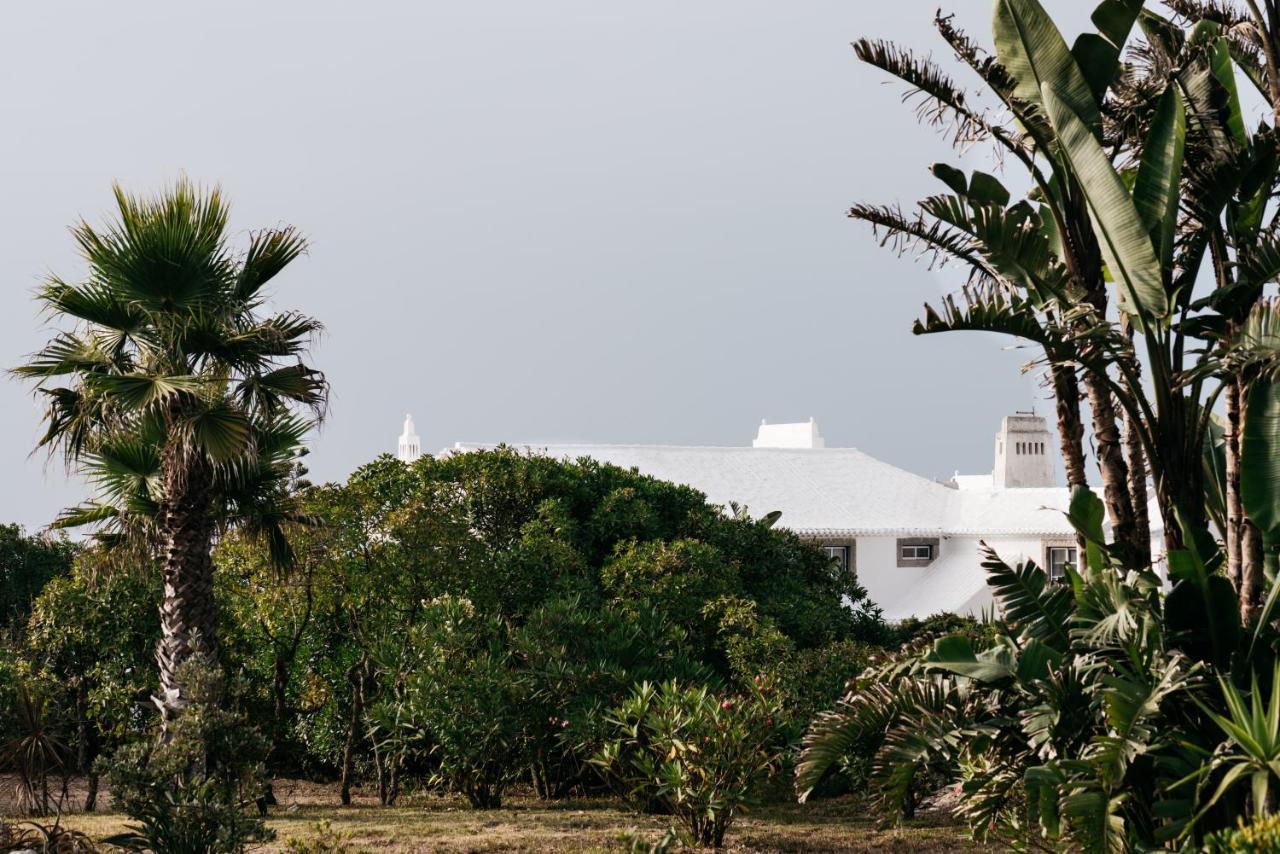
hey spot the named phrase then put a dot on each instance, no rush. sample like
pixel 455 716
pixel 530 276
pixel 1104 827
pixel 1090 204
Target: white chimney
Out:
pixel 1024 453
pixel 802 435
pixel 410 445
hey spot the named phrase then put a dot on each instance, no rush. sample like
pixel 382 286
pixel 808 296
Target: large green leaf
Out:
pixel 1030 47
pixel 1155 191
pixel 1260 458
pixel 1086 513
pixel 955 654
pixel 1121 234
pixel 1098 54
pixel 1202 611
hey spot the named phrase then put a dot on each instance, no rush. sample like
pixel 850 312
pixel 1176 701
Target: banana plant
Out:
pixel 1048 263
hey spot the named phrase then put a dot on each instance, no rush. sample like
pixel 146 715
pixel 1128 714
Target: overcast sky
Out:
pixel 594 221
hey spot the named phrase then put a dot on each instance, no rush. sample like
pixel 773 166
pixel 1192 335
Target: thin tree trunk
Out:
pixel 280 689
pixel 1112 466
pixel 91 795
pixel 1235 511
pixel 356 677
pixel 187 615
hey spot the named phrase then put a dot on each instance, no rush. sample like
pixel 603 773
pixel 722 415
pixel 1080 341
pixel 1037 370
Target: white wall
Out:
pixel 954 582
pixel 878 570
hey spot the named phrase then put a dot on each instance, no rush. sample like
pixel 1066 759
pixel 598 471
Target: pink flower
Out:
pixel 727 704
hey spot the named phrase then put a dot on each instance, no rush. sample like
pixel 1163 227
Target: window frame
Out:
pixel 926 548
pixel 1051 571
pixel 838 551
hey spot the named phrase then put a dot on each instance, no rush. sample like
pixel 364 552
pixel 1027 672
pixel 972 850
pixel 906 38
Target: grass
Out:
pixel 442 824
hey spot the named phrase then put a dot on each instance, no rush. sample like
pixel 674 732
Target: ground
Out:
pixel 430 823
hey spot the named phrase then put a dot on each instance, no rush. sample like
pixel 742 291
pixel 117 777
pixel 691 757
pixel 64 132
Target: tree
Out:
pixel 179 390
pixel 27 563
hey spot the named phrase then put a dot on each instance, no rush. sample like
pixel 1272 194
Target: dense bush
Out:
pixel 593 578
pixel 693 753
pixel 465 622
pixel 27 563
pixel 466 705
pixel 194 790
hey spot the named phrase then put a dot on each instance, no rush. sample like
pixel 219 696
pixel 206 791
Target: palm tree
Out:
pixel 175 389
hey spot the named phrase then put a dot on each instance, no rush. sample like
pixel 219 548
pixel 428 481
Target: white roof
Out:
pixel 834 491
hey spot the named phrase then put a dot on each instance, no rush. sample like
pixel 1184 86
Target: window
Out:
pixel 1059 558
pixel 917 552
pixel 840 553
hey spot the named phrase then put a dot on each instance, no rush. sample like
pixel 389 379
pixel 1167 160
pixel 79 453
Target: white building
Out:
pixel 912 541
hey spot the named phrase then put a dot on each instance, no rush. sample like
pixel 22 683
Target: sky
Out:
pixel 529 222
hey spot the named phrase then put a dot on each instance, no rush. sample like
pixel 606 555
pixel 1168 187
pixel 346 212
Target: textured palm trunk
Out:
pixel 1235 510
pixel 1138 493
pixel 1251 575
pixel 187 612
pixel 1113 468
pixel 1066 394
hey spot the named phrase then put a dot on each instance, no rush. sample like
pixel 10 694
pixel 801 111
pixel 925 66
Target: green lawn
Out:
pixel 526 824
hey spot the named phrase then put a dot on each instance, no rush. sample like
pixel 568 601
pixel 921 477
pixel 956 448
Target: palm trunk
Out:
pixel 1251 577
pixel 1112 467
pixel 1235 510
pixel 187 615
pixel 1138 493
pixel 1066 394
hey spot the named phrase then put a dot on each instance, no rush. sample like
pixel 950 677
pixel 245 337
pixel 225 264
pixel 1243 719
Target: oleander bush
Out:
pixel 699 755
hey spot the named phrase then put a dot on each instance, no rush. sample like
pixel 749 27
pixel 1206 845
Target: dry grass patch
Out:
pixel 524 823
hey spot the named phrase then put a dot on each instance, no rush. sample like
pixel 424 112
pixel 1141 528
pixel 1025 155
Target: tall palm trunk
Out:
pixel 1233 536
pixel 1138 492
pixel 1066 394
pixel 1112 467
pixel 187 615
pixel 1251 576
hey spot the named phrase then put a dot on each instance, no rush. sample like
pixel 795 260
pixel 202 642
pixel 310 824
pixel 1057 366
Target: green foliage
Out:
pixel 1251 754
pixel 576 662
pixel 1260 836
pixel 594 577
pixel 466 705
pixel 1072 717
pixel 694 753
pixel 35 836
pixel 34 751
pixel 193 790
pixel 326 841
pixel 27 563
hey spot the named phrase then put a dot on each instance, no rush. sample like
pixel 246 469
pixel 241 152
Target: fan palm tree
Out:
pixel 177 391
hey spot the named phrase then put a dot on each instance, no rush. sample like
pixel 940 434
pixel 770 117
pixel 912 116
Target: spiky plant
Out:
pixel 178 391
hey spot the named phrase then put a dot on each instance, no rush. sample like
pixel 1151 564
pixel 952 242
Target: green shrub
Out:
pixel 692 753
pixel 578 660
pixel 193 791
pixel 1261 836
pixel 465 705
pixel 326 841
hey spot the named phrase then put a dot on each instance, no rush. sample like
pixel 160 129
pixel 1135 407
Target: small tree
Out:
pixel 466 705
pixel 697 754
